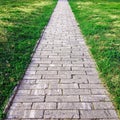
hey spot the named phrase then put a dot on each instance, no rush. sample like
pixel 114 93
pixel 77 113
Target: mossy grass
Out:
pixel 99 21
pixel 21 23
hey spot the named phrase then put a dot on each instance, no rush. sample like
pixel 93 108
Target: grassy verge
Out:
pixel 21 22
pixel 99 21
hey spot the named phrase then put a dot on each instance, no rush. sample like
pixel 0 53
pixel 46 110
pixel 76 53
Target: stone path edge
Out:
pixel 15 90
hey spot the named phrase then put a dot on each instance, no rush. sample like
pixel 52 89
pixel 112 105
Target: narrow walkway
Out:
pixel 61 82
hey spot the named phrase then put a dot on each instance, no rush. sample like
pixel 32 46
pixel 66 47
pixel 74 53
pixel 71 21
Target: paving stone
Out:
pixel 78 68
pixel 28 82
pixel 54 56
pixel 74 85
pixel 38 92
pixel 44 105
pixel 72 72
pixel 55 76
pixel 71 106
pixel 103 105
pixel 61 62
pixel 99 91
pixel 47 81
pixel 67 68
pixel 77 56
pixel 33 65
pixel 22 106
pixel 29 99
pixel 41 61
pixel 47 92
pixel 25 114
pixel 48 53
pixel 54 92
pixel 23 92
pixel 92 86
pixel 34 86
pixel 61 114
pixel 95 114
pixel 41 68
pixel 74 81
pixel 47 65
pixel 30 72
pixel 71 65
pixel 98 98
pixel 94 80
pixel 78 76
pixel 76 92
pixel 91 72
pixel 31 77
pixel 89 65
pixel 47 73
pixel 62 98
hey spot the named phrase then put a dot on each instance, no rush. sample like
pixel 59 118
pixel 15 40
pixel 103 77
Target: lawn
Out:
pixel 21 23
pixel 99 21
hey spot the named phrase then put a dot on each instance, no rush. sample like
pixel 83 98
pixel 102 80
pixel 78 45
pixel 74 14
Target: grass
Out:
pixel 21 22
pixel 99 21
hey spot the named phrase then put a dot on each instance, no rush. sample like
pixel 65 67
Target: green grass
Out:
pixel 21 22
pixel 99 21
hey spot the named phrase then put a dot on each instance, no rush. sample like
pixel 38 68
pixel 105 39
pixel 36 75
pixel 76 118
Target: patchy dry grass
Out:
pixel 21 22
pixel 100 24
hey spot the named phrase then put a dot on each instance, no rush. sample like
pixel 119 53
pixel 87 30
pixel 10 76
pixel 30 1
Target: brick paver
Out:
pixel 62 83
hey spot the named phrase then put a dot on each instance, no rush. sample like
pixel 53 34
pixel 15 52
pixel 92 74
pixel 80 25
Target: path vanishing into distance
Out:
pixel 61 82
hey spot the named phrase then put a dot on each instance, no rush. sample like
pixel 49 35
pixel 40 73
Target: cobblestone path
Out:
pixel 61 82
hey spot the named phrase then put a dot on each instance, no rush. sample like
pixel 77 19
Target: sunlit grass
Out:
pixel 100 24
pixel 10 13
pixel 21 23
